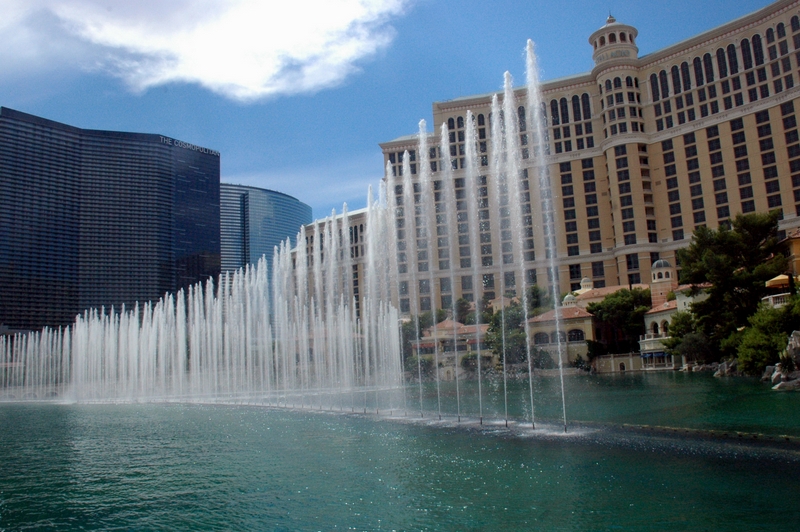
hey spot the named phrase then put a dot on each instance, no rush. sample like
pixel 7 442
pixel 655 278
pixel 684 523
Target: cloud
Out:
pixel 243 49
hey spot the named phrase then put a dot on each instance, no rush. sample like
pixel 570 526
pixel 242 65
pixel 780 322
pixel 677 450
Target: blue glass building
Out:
pixel 99 218
pixel 255 220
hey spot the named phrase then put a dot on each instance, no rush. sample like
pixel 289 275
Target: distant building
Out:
pixel 99 218
pixel 255 220
pixel 642 150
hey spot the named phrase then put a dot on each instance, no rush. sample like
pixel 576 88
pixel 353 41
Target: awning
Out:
pixel 780 281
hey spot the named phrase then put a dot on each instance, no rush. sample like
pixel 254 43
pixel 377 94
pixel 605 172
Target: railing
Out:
pixel 777 300
pixel 652 336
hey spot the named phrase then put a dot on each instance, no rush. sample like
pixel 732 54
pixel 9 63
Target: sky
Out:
pixel 296 96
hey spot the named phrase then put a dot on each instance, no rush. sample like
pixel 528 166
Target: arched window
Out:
pixel 541 338
pixel 733 62
pixel 521 116
pixel 655 328
pixel 660 275
pixel 586 104
pixel 709 67
pixel 617 83
pixel 676 80
pixel 460 122
pixel 665 328
pixel 662 77
pixel 554 111
pixel 636 82
pixel 630 37
pixel 722 66
pixel 564 111
pixel 687 79
pixel 795 23
pixel 629 81
pixel 602 41
pixel 770 35
pixel 654 87
pixel 576 108
pixel 451 124
pixel 781 30
pixel 747 57
pixel 600 88
pixel 622 37
pixel 575 335
pixel 612 38
pixel 608 84
pixel 561 336
pixel 758 50
pixel 481 120
pixel 698 71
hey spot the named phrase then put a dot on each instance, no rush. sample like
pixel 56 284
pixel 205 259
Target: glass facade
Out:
pixel 255 220
pixel 99 219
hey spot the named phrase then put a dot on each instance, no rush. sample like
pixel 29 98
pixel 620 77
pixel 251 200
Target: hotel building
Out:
pixel 642 150
pixel 253 221
pixel 99 218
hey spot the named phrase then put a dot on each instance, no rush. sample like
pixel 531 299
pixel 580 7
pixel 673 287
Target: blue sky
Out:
pixel 297 95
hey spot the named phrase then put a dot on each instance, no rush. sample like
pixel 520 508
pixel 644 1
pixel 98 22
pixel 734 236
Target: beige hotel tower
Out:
pixel 642 151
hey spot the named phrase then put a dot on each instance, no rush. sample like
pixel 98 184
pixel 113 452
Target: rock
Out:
pixel 768 371
pixel 787 385
pixel 722 370
pixel 776 377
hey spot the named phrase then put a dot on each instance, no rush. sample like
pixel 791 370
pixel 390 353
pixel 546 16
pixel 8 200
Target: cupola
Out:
pixel 614 41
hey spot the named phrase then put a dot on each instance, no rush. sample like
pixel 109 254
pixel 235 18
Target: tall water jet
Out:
pixel 428 230
pixel 472 183
pixel 512 164
pixel 409 226
pixel 500 183
pixel 538 123
pixel 451 219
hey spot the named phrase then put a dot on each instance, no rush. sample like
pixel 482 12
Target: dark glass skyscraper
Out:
pixel 99 218
pixel 254 221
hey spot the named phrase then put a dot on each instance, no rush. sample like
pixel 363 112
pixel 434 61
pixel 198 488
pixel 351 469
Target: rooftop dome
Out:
pixel 661 263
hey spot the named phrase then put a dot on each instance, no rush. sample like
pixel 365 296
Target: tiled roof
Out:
pixel 567 313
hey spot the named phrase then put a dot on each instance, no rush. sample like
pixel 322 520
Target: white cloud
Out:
pixel 243 49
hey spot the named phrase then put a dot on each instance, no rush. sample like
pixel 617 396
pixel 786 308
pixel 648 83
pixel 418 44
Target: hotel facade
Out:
pixel 642 151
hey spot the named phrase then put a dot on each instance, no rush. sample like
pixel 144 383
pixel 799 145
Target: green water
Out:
pixel 194 467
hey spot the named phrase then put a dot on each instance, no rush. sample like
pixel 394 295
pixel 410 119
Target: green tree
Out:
pixel 515 345
pixel 685 341
pixel 764 340
pixel 731 265
pixel 513 316
pixel 540 300
pixel 463 311
pixel 621 316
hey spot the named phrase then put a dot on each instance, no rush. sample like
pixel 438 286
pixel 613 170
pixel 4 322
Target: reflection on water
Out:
pixel 221 467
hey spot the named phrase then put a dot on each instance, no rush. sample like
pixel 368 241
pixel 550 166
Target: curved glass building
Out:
pixel 255 220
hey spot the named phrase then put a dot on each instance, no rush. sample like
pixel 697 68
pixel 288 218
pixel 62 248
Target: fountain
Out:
pixel 315 341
